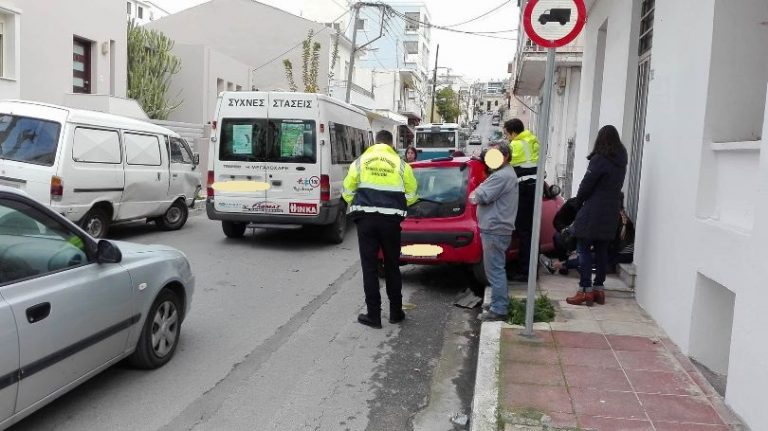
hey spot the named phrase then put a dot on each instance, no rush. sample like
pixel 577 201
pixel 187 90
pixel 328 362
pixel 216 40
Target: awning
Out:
pixel 383 114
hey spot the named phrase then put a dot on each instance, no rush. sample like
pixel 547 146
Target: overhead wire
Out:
pixel 294 46
pixel 440 27
pixel 480 16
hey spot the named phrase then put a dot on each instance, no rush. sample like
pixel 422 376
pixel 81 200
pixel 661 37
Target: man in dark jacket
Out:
pixel 599 201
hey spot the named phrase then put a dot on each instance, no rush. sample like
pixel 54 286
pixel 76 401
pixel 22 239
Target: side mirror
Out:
pixel 196 158
pixel 107 252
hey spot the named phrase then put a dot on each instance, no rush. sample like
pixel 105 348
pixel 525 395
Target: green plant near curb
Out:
pixel 543 310
pixel 150 67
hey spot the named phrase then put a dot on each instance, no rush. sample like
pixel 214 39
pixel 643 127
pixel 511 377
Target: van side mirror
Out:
pixel 107 252
pixel 196 158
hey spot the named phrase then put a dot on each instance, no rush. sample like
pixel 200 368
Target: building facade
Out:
pixel 527 84
pixel 688 97
pixel 53 52
pixel 142 12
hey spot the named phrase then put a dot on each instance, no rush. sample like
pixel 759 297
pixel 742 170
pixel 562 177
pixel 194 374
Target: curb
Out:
pixel 485 401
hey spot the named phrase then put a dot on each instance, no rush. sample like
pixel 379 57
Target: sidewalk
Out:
pixel 607 367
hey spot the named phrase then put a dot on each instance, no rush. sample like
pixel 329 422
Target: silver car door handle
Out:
pixel 175 175
pixel 158 176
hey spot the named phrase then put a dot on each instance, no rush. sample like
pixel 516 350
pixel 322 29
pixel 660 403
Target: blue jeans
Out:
pixel 586 261
pixel 494 262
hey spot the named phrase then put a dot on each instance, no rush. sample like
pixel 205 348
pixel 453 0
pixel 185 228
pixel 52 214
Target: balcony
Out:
pixel 358 97
pixel 531 62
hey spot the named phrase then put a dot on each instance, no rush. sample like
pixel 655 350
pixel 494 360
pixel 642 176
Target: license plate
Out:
pixel 421 250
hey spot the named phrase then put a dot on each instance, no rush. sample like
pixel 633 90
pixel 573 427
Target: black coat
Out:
pixel 600 198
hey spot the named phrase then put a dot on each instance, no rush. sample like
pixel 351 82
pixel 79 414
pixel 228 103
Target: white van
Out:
pixel 298 146
pixel 97 169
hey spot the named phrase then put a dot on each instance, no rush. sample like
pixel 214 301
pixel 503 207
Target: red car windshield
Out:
pixel 442 191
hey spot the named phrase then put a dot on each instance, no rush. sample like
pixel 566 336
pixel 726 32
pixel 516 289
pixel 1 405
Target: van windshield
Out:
pixel 29 140
pixel 262 140
pixel 445 139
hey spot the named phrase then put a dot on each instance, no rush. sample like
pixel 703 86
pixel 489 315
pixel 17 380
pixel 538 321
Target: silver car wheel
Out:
pixel 165 327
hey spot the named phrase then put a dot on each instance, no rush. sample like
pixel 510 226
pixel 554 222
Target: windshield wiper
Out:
pixel 429 200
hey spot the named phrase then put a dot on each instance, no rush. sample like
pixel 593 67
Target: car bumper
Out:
pixel 458 247
pixel 327 213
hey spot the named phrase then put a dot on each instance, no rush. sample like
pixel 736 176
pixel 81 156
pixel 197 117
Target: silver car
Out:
pixel 71 306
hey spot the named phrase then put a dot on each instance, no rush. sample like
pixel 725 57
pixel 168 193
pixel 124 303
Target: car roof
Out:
pixel 444 162
pixel 83 116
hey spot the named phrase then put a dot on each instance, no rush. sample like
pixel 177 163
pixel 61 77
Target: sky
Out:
pixel 477 58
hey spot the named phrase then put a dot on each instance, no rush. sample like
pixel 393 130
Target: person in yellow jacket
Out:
pixel 525 157
pixel 378 188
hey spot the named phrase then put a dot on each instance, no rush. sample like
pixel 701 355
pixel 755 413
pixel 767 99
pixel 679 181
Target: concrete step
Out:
pixel 627 272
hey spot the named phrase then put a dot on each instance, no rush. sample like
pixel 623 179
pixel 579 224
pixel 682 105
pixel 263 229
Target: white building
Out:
pixel 221 49
pixel 684 82
pixel 142 11
pixel 528 70
pixel 66 54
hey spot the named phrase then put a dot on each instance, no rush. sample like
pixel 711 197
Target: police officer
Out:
pixel 525 156
pixel 378 188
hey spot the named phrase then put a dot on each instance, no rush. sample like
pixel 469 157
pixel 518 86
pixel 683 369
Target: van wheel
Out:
pixel 232 229
pixel 174 218
pixel 160 334
pixel 96 223
pixel 478 271
pixel 336 232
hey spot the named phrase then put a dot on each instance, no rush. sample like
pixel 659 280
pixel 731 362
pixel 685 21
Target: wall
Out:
pixel 196 84
pixel 227 26
pixel 616 80
pixel 10 17
pixel 563 112
pixel 704 254
pixel 46 46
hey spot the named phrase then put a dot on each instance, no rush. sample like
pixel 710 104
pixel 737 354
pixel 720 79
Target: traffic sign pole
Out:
pixel 545 24
pixel 543 135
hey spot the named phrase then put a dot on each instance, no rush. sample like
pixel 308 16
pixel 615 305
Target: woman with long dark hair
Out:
pixel 599 200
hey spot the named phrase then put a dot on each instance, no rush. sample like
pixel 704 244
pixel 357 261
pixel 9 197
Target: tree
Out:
pixel 447 105
pixel 150 68
pixel 310 65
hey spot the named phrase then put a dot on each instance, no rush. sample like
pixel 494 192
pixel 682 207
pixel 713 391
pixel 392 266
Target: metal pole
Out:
pixel 543 142
pixel 434 84
pixel 356 6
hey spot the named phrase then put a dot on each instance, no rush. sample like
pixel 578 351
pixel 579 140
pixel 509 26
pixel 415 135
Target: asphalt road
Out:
pixel 272 343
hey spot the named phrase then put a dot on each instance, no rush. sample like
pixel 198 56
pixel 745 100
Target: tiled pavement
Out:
pixel 605 368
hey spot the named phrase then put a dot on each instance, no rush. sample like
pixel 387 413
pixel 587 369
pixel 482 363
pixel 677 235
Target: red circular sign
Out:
pixel 550 43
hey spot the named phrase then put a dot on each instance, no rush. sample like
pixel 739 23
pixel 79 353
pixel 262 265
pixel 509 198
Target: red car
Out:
pixel 444 216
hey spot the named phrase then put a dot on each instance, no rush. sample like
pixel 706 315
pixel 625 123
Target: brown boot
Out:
pixel 581 297
pixel 599 296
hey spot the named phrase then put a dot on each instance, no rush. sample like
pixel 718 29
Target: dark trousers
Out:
pixel 376 233
pixel 524 222
pixel 600 261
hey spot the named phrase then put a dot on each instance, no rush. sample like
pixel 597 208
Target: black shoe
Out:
pixel 490 316
pixel 396 317
pixel 369 321
pixel 546 263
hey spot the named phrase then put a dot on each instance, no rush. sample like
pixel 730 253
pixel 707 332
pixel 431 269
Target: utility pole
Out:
pixel 355 48
pixel 356 6
pixel 434 85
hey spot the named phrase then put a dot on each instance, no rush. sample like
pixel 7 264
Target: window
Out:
pixel 238 88
pixel 179 151
pixel 261 140
pixel 29 140
pixel 34 244
pixel 347 143
pixel 140 12
pixel 230 86
pixel 129 9
pixel 646 26
pixel 436 139
pixel 142 149
pixel 96 146
pixel 412 21
pixel 81 66
pixel 411 47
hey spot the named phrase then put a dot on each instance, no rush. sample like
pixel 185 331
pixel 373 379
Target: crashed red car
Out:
pixel 444 217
